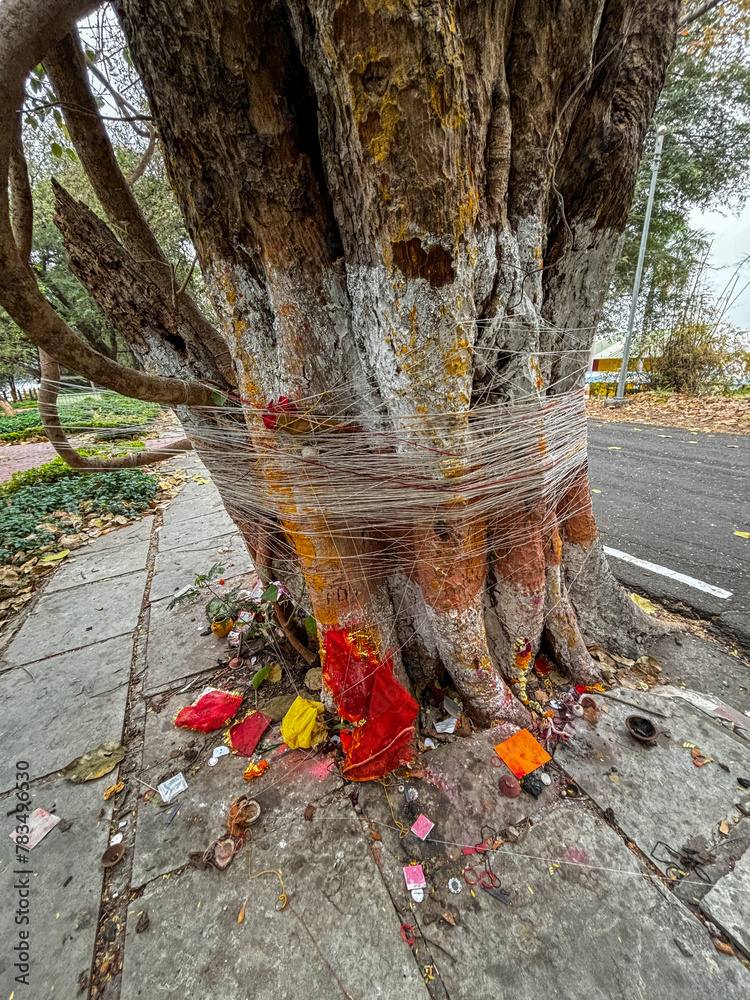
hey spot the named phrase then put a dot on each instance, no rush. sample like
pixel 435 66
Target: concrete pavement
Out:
pixel 588 910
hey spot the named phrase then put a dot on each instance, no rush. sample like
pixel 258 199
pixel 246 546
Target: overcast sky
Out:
pixel 731 242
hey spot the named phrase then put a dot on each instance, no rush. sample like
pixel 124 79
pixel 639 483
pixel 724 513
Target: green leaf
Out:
pixel 128 57
pixel 30 120
pixel 58 117
pixel 35 85
pixel 261 675
pixel 56 149
pixel 270 594
pixel 91 55
pixel 311 625
pixel 71 154
pixel 38 70
pixel 52 557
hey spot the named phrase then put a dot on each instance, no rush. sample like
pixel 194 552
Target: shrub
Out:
pixel 42 475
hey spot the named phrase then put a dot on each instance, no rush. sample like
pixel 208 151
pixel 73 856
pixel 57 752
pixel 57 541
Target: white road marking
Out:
pixel 690 581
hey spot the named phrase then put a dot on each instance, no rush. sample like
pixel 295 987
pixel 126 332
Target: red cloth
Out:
pixel 367 693
pixel 284 405
pixel 244 736
pixel 211 711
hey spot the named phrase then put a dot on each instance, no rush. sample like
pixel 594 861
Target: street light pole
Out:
pixel 641 255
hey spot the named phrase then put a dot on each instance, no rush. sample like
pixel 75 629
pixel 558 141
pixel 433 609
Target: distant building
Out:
pixel 604 368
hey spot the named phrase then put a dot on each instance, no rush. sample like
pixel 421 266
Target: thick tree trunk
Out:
pixel 407 215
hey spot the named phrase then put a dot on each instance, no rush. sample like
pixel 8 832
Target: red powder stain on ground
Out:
pixel 576 855
pixel 320 768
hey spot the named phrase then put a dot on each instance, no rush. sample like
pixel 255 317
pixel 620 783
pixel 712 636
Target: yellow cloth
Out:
pixel 300 727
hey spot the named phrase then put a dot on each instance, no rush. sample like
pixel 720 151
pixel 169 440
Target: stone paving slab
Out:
pixel 164 740
pixel 193 501
pixel 163 737
pixel 657 793
pixel 176 648
pixel 162 847
pixel 71 618
pixel 176 568
pixel 592 926
pixel 704 666
pixel 339 924
pixel 458 791
pixel 194 529
pixel 584 919
pixel 55 710
pixel 64 891
pixel 118 538
pixel 98 565
pixel 727 904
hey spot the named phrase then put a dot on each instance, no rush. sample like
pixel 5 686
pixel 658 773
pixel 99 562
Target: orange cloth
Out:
pixel 522 753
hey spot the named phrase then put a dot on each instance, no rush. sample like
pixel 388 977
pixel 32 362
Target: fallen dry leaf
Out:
pixel 647 665
pixel 113 790
pixel 53 557
pixel 724 828
pixel 725 949
pixel 274 674
pixel 643 603
pixel 693 413
pixel 601 656
pixel 624 661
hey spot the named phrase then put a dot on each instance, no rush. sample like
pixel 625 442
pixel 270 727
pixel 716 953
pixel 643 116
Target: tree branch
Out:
pixel 27 27
pixel 286 627
pixel 21 200
pixel 125 291
pixel 122 102
pixel 692 16
pixel 66 65
pixel 54 430
pixel 144 161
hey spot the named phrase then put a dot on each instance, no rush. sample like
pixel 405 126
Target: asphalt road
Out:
pixel 675 498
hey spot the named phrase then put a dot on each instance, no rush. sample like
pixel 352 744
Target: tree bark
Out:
pixel 407 216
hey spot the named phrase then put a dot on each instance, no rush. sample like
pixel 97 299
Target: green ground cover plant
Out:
pixel 35 515
pixel 79 413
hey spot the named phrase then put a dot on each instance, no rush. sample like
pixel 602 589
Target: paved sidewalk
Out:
pixel 590 909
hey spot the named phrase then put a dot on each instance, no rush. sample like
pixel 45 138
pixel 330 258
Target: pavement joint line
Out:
pixel 435 987
pixel 86 583
pixel 63 652
pixel 201 543
pixel 136 891
pixel 689 581
pixel 608 816
pixel 653 874
pixel 116 893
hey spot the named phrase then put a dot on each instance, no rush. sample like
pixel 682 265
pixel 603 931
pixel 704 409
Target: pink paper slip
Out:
pixel 422 827
pixel 40 823
pixel 414 877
